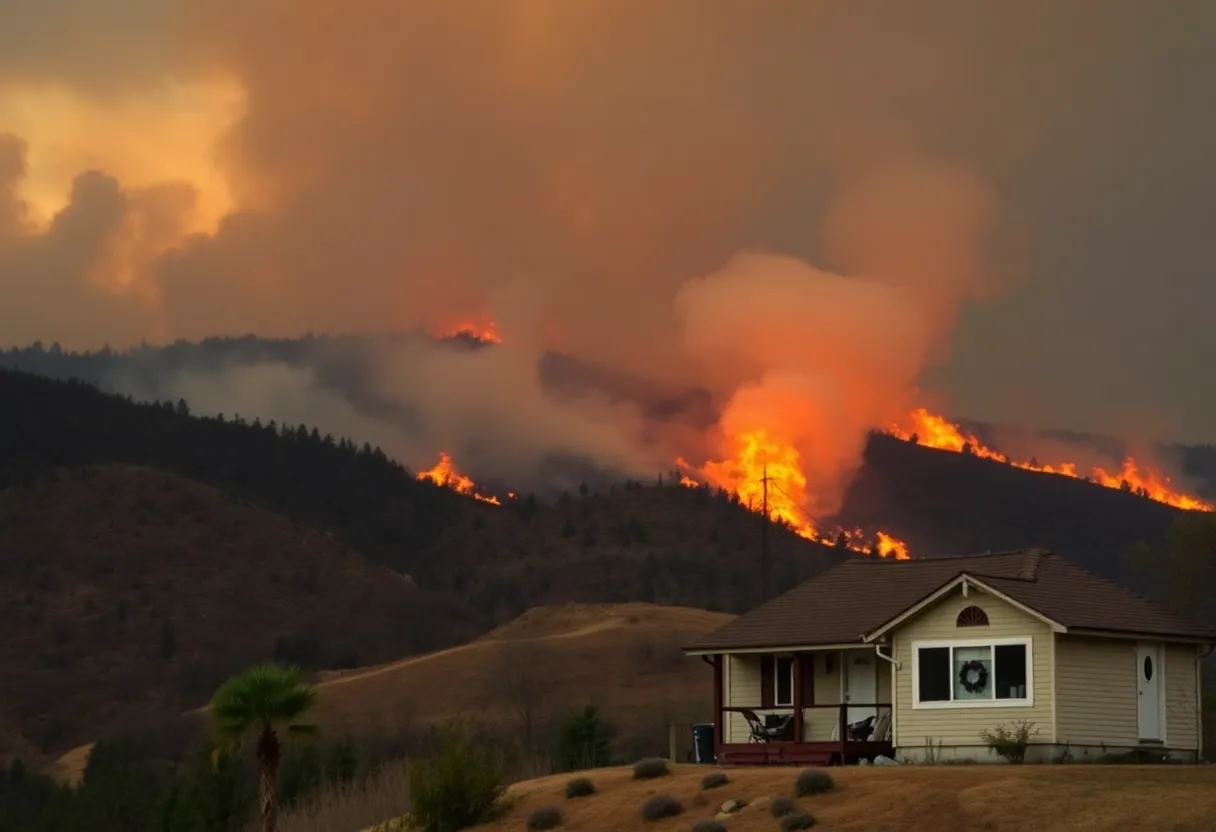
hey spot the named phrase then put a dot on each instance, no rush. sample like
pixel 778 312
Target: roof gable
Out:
pixel 860 596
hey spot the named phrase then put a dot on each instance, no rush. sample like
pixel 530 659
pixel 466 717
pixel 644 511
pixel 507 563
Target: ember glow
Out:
pixel 445 474
pixel 759 456
pixel 485 332
pixel 934 431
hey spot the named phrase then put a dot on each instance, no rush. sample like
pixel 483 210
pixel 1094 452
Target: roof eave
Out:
pixel 1182 638
pixel 702 650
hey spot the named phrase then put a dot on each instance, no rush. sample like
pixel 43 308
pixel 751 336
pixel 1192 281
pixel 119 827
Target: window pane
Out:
pixel 933 670
pixel 785 682
pixel 972 668
pixel 1011 671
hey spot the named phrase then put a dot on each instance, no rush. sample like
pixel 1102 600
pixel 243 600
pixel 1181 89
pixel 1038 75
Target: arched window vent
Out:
pixel 972 616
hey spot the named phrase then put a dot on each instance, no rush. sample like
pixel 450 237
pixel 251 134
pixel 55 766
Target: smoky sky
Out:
pixel 566 167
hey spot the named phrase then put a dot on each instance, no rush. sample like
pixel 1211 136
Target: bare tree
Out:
pixel 520 682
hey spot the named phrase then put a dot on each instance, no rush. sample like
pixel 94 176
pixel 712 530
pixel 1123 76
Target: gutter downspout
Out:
pixel 1200 655
pixel 894 667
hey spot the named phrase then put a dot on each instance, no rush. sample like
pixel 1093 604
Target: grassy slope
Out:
pixel 624 658
pixel 1042 798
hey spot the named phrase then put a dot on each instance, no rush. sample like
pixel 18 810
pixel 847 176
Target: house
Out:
pixel 915 659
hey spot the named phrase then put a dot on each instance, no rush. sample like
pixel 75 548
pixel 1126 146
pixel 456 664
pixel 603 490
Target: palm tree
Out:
pixel 262 702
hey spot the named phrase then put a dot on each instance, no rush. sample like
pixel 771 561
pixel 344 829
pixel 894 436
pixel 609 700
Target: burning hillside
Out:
pixel 934 431
pixel 445 475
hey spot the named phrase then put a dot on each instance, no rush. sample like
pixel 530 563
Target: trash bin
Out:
pixel 703 742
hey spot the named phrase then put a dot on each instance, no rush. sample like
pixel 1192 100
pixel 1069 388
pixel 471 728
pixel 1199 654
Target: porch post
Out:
pixel 797 697
pixel 719 729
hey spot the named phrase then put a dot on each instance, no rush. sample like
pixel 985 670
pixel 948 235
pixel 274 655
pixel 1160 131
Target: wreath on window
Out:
pixel 973 676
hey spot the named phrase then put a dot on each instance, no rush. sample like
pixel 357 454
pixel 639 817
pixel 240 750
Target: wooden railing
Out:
pixel 796 727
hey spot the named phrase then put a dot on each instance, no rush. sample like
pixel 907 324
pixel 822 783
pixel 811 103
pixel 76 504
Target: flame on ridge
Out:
pixel 486 331
pixel 444 474
pixel 759 455
pixel 934 431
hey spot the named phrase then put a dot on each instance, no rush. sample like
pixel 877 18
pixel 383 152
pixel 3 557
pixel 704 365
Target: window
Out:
pixel 971 617
pixel 783 687
pixel 972 672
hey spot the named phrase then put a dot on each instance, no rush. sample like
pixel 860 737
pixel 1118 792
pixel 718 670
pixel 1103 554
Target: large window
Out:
pixel 783 687
pixel 972 673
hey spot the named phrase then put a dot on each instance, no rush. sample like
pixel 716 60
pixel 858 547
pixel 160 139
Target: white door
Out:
pixel 860 684
pixel 1148 687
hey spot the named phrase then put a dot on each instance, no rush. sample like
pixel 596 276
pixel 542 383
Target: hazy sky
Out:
pixel 180 168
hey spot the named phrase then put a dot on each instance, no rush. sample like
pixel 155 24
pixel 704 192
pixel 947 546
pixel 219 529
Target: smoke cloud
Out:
pixel 600 178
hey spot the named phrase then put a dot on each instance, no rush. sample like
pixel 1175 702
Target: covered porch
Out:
pixel 821 706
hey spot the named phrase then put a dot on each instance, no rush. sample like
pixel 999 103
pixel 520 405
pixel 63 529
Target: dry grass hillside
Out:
pixel 941 798
pixel 623 658
pixel 129 593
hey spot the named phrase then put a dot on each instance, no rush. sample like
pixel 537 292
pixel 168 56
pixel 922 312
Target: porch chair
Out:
pixel 882 728
pixel 760 732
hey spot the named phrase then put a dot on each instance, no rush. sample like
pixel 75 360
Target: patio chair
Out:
pixel 762 732
pixel 882 728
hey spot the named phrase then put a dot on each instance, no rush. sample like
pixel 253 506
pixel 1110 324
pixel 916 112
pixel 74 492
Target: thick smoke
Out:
pixel 586 174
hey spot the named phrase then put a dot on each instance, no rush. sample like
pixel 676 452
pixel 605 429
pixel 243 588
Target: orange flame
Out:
pixel 486 332
pixel 760 459
pixel 444 474
pixel 935 431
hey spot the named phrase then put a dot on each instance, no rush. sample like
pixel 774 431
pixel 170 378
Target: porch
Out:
pixel 810 707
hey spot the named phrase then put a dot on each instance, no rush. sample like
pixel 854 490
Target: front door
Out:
pixel 1148 688
pixel 860 684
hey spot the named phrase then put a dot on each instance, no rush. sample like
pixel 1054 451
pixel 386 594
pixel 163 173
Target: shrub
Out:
pixel 1010 743
pixel 813 781
pixel 584 740
pixel 546 817
pixel 461 785
pixel 714 780
pixel 781 806
pixel 580 787
pixel 650 768
pixel 661 806
pixel 798 820
pixel 709 826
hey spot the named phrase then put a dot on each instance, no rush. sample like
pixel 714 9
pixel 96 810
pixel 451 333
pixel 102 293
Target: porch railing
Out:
pixel 797 728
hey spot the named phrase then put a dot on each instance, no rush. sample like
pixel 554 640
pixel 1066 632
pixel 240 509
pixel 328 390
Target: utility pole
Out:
pixel 765 559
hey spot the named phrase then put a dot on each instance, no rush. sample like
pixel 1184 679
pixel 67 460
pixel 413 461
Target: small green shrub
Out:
pixel 781 806
pixel 580 787
pixel 661 806
pixel 709 826
pixel 462 784
pixel 650 768
pixel 798 820
pixel 1010 743
pixel 714 780
pixel 813 781
pixel 546 817
pixel 584 740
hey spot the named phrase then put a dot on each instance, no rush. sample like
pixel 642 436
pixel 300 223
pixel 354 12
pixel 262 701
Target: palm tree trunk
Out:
pixel 268 779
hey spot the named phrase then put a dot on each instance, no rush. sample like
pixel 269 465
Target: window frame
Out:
pixel 777 660
pixel 993 643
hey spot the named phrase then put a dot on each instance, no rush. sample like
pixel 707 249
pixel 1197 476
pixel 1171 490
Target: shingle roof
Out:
pixel 859 595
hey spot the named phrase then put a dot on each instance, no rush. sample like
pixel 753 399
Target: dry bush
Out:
pixel 813 781
pixel 371 800
pixel 798 820
pixel 661 806
pixel 781 806
pixel 650 768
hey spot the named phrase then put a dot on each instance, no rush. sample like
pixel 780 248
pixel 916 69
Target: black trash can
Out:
pixel 703 743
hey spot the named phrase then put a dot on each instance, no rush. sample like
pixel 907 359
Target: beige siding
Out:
pixel 1181 703
pixel 1098 699
pixel 960 727
pixel 1096 688
pixel 817 723
pixel 741 678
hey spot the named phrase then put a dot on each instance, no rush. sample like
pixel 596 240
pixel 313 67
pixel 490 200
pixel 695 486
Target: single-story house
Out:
pixel 916 659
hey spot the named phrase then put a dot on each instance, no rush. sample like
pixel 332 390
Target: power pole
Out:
pixel 765 559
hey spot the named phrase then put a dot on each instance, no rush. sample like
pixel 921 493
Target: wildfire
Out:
pixel 486 333
pixel 935 431
pixel 445 474
pixel 760 461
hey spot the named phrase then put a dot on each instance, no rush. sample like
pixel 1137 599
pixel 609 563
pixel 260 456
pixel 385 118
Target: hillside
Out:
pixel 946 798
pixel 534 670
pixel 131 592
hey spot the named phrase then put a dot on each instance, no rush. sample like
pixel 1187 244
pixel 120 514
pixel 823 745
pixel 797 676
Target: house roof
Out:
pixel 860 595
